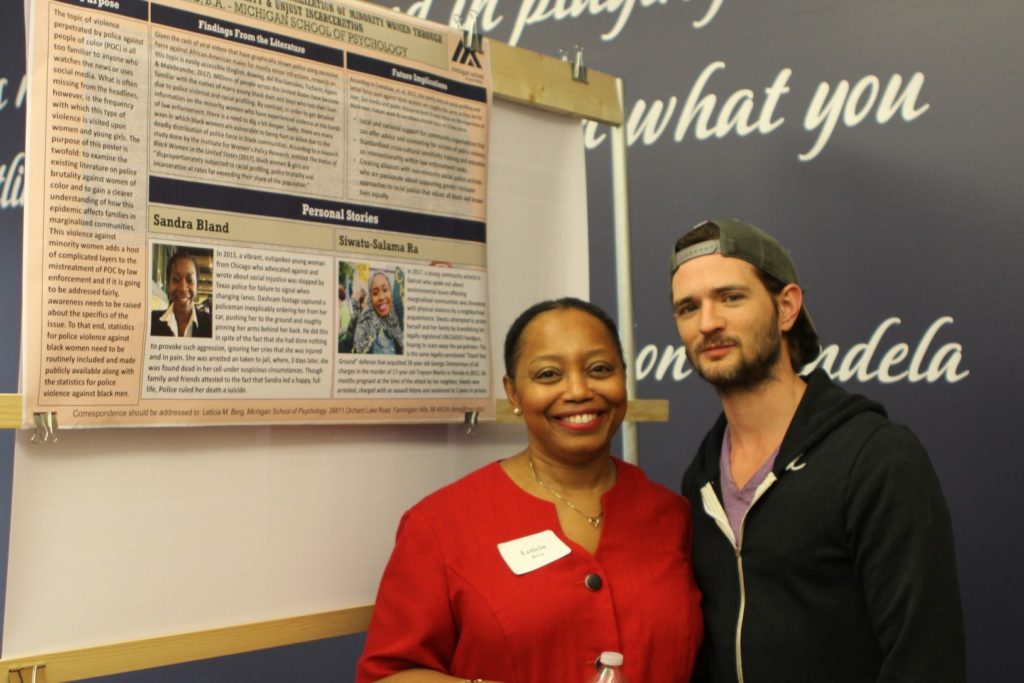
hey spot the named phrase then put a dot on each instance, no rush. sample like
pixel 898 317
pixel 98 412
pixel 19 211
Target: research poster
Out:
pixel 253 211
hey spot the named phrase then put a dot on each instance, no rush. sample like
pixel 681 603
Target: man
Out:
pixel 821 540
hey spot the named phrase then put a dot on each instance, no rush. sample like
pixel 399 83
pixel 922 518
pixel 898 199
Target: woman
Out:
pixel 527 569
pixel 182 318
pixel 378 329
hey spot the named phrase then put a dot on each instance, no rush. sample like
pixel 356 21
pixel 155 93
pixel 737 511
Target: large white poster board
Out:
pixel 122 534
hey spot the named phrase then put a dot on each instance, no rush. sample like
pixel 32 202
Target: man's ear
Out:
pixel 791 301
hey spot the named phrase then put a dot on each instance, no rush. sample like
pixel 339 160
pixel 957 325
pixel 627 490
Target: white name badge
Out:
pixel 532 552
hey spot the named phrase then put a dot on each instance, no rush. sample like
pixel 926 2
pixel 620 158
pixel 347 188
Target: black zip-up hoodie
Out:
pixel 845 571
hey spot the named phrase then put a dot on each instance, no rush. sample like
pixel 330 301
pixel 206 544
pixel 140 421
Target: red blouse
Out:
pixel 448 601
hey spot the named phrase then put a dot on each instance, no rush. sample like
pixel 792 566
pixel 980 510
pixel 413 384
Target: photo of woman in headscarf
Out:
pixel 379 324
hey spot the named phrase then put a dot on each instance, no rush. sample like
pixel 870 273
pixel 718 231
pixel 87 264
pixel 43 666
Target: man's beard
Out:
pixel 748 373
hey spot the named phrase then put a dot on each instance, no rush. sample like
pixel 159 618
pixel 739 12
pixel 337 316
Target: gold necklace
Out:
pixel 593 521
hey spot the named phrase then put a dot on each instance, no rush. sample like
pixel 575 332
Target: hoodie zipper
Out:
pixel 713 507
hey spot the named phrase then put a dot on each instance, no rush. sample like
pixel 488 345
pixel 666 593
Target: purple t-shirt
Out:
pixel 737 501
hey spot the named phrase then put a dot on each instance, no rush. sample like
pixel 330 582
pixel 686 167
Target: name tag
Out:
pixel 532 552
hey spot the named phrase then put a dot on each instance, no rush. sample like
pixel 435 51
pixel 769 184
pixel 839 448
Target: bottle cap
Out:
pixel 611 658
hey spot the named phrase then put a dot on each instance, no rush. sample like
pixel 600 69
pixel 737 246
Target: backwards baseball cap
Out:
pixel 740 240
pixel 737 239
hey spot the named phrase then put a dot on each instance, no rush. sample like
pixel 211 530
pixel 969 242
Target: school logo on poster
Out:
pixel 464 56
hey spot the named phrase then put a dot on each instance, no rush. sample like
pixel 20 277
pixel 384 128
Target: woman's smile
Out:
pixel 580 421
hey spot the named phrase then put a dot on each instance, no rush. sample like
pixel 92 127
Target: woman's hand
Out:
pixel 360 299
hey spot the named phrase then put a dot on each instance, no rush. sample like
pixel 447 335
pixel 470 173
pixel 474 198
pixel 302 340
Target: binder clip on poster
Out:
pixel 45 427
pixel 470 421
pixel 472 40
pixel 35 673
pixel 579 69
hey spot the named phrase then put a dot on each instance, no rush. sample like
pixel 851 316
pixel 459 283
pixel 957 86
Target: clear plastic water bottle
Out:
pixel 610 668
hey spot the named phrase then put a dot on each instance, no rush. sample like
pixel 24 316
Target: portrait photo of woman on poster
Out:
pixel 370 309
pixel 181 292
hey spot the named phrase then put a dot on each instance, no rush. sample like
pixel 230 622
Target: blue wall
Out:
pixel 333 659
pixel 12 135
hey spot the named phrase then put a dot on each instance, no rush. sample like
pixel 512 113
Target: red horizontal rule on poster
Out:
pixel 241 214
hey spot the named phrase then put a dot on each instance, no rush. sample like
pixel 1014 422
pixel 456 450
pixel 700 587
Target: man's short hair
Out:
pixel 736 239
